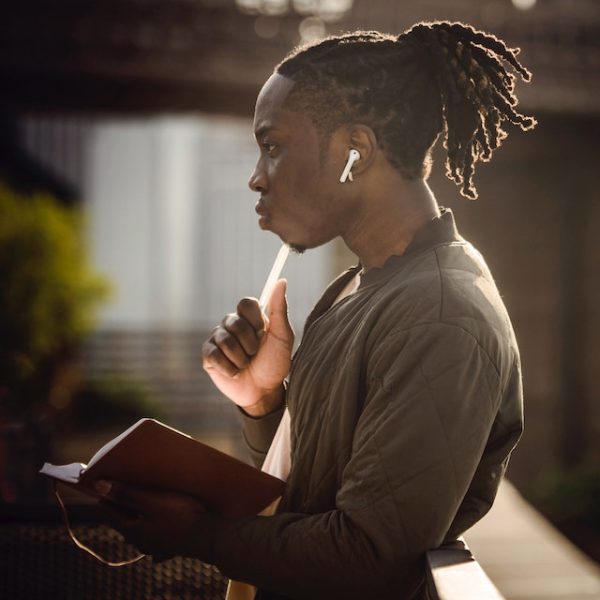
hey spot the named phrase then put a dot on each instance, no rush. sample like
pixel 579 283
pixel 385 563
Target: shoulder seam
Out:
pixel 454 326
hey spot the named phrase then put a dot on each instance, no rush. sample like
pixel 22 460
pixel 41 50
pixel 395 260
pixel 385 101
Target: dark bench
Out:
pixel 38 560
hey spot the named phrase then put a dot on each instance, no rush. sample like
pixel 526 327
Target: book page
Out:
pixel 69 473
pixel 110 445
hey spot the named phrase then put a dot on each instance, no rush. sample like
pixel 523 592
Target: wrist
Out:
pixel 205 533
pixel 268 403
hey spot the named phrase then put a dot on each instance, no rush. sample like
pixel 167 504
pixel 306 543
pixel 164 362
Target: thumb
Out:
pixel 279 323
pixel 126 495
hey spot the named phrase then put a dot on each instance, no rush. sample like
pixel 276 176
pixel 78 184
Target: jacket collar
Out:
pixel 440 230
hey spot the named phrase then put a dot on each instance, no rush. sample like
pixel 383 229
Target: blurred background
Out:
pixel 127 229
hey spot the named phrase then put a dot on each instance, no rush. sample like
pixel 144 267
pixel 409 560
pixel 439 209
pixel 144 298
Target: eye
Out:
pixel 269 147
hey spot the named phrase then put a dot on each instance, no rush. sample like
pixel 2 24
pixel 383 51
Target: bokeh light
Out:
pixel 524 4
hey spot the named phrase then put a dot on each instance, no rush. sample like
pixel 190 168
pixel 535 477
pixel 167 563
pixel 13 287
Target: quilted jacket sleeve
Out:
pixel 434 396
pixel 258 434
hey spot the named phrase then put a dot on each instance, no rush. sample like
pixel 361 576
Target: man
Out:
pixel 405 394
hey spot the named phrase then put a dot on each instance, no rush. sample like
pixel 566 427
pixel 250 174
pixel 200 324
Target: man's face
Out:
pixel 296 178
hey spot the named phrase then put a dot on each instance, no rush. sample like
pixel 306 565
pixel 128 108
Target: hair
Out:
pixel 433 78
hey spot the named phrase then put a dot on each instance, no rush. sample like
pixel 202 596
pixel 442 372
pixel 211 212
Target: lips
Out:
pixel 261 209
pixel 263 213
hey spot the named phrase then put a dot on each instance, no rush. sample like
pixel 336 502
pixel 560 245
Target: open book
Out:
pixel 152 454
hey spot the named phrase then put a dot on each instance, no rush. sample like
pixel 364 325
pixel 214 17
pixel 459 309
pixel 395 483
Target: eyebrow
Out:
pixel 258 133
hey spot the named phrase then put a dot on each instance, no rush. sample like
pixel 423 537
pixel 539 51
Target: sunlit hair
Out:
pixel 435 77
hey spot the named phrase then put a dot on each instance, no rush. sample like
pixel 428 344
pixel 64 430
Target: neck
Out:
pixel 387 220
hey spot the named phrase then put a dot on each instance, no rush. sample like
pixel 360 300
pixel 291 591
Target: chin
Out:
pixel 297 248
pixel 302 242
pixel 300 248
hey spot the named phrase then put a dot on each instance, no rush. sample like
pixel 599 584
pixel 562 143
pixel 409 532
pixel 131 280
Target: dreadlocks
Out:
pixel 435 77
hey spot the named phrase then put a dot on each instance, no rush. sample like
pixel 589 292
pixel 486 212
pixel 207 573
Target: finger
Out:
pixel 231 348
pixel 278 300
pixel 126 497
pixel 214 359
pixel 279 324
pixel 241 329
pixel 121 519
pixel 249 309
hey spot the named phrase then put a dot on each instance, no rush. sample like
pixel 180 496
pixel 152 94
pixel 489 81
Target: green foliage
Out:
pixel 571 495
pixel 49 290
pixel 113 400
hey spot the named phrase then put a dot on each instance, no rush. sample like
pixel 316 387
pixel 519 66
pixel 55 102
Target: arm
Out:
pixel 258 433
pixel 247 356
pixel 433 395
pixel 432 398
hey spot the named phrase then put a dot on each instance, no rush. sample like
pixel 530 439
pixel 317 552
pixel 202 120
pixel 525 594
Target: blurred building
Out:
pixel 172 223
pixel 120 97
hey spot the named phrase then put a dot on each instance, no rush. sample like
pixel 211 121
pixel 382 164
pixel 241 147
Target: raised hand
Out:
pixel 248 355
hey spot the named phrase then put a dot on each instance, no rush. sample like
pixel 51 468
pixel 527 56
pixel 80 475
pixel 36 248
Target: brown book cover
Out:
pixel 155 455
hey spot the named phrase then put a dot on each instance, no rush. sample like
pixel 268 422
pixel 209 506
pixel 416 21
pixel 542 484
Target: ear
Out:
pixel 363 138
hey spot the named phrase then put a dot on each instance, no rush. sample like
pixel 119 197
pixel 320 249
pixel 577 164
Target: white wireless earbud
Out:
pixel 353 156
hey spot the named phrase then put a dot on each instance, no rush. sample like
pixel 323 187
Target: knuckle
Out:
pixel 209 352
pixel 226 341
pixel 227 319
pixel 211 335
pixel 212 355
pixel 222 337
pixel 230 369
pixel 247 304
pixel 233 323
pixel 207 347
pixel 243 360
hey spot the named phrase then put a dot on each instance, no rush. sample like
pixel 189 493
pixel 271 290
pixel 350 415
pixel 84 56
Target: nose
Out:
pixel 258 179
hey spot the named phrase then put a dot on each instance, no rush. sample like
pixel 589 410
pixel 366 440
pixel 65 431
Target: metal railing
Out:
pixel 40 561
pixel 454 574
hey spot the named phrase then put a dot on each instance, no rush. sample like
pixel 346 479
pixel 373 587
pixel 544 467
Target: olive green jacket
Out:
pixel 406 401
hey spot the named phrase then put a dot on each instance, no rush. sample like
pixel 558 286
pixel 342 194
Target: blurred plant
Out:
pixel 571 494
pixel 112 400
pixel 570 498
pixel 49 293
